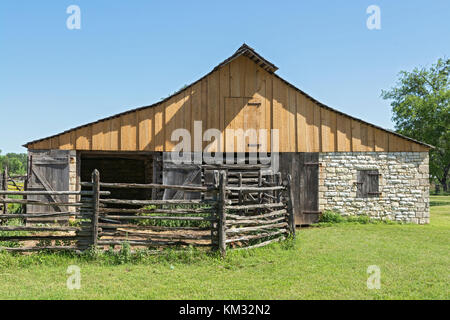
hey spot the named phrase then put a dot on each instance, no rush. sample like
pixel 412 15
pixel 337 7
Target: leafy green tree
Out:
pixel 421 110
pixel 16 163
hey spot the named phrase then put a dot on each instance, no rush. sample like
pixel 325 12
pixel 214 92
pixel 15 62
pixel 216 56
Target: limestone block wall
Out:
pixel 73 180
pixel 403 184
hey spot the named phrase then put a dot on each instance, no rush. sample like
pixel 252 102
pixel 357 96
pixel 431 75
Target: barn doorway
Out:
pixel 120 167
pixel 304 169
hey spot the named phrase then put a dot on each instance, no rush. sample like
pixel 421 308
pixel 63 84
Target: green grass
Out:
pixel 326 263
pixel 12 222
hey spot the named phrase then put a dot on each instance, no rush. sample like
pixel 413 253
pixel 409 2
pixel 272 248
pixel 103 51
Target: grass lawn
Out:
pixel 327 263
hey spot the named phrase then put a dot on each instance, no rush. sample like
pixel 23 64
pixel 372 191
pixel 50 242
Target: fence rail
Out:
pixel 233 213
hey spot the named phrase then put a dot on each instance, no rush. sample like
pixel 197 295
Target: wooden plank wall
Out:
pixel 304 170
pixel 53 167
pixel 304 126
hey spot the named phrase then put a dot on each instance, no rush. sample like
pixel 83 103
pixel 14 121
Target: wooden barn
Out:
pixel 337 162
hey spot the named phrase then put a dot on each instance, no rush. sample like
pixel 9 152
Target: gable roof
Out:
pixel 250 53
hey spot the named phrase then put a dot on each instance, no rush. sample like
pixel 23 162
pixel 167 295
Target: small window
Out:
pixel 368 184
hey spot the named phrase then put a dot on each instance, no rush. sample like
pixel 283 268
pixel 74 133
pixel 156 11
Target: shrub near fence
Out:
pixel 261 215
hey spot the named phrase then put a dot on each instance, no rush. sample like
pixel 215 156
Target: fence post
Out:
pixel 279 183
pixel 222 213
pixel 25 188
pixel 5 188
pixel 260 194
pixel 215 224
pixel 291 217
pixel 95 205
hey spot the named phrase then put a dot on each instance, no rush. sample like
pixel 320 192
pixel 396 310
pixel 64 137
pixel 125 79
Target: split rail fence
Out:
pixel 236 216
pixel 10 182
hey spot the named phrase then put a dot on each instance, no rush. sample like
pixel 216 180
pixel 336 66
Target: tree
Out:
pixel 421 110
pixel 16 163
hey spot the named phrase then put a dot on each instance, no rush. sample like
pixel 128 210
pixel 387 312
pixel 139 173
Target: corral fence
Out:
pixel 226 216
pixel 10 182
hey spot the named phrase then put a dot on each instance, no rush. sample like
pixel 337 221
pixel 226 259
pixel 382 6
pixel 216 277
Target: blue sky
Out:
pixel 132 53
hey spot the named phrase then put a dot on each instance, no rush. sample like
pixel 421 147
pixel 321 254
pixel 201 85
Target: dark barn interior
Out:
pixel 120 168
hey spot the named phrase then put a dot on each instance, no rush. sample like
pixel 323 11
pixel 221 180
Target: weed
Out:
pixel 330 218
pixel 12 244
pixel 175 223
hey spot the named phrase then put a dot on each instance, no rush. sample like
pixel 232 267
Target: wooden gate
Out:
pixel 48 171
pixel 304 169
pixel 180 174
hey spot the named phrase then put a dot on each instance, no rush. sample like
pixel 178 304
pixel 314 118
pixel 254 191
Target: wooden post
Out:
pixel 25 188
pixel 241 195
pixel 290 194
pixel 260 195
pixel 156 176
pixel 279 183
pixel 260 184
pixel 95 205
pixel 214 224
pixel 240 191
pixel 222 213
pixel 5 187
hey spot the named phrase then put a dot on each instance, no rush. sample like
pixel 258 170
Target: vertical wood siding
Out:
pixel 221 100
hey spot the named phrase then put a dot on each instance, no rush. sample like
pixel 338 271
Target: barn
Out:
pixel 242 111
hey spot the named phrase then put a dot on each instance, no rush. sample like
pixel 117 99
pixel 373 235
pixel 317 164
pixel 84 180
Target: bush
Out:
pixel 362 219
pixel 331 217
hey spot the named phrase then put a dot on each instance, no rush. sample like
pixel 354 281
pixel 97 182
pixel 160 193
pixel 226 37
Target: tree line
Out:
pixel 16 163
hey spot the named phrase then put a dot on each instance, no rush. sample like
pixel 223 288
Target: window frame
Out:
pixel 368 183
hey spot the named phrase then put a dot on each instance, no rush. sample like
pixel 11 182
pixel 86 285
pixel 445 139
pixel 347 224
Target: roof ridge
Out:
pixel 250 53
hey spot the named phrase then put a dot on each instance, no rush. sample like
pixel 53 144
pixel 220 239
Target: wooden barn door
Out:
pixel 48 171
pixel 309 188
pixel 304 169
pixel 252 119
pixel 180 174
pixel 245 114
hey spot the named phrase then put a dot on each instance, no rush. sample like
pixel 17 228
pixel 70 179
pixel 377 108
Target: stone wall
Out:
pixel 73 185
pixel 403 183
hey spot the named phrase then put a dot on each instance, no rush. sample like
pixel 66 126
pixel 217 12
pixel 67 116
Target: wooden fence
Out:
pixel 10 182
pixel 225 217
pixel 260 216
pixel 17 235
